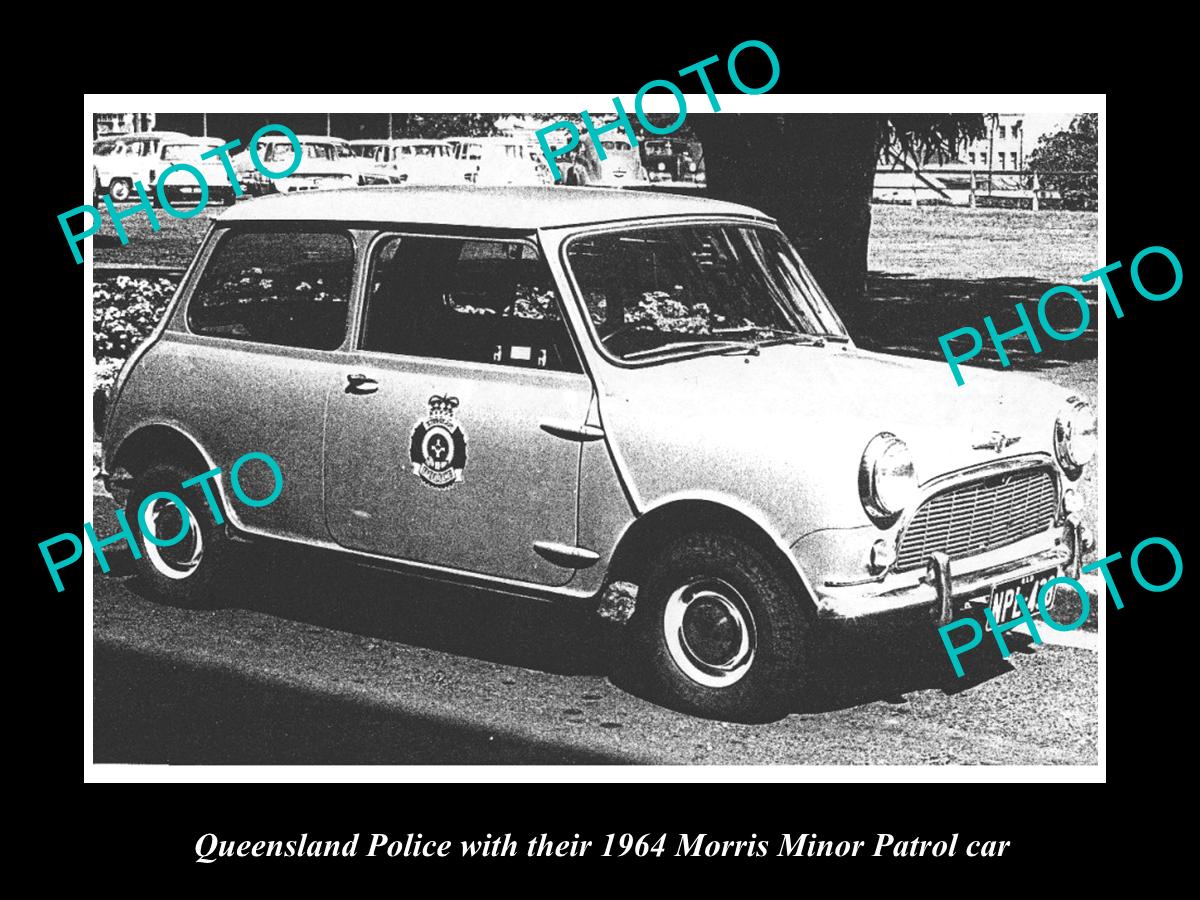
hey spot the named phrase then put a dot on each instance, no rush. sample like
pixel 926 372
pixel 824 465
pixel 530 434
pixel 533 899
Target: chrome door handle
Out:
pixel 361 384
pixel 572 432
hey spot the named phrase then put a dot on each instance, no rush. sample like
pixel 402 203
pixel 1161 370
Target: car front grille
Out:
pixel 980 516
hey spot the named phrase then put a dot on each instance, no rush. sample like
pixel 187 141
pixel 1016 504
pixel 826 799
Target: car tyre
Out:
pixel 197 571
pixel 718 631
pixel 120 189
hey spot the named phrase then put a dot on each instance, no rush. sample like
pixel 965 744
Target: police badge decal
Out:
pixel 438 448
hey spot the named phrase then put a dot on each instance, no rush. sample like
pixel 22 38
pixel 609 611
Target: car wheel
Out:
pixel 719 632
pixel 120 189
pixel 197 569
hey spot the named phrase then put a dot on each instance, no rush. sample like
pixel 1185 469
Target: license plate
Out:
pixel 189 190
pixel 1003 601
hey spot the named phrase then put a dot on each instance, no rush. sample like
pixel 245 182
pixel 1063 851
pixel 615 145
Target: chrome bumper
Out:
pixel 945 594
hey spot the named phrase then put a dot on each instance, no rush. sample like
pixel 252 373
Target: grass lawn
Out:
pixel 956 242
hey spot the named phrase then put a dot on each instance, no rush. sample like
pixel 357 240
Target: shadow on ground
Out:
pixel 907 315
pixel 854 666
pixel 153 708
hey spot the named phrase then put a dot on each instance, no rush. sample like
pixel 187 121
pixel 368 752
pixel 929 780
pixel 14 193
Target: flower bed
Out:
pixel 124 312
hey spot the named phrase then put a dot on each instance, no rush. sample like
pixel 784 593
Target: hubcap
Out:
pixel 709 632
pixel 164 520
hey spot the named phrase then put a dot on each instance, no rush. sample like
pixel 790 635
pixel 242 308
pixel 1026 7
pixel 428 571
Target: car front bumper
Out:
pixel 944 588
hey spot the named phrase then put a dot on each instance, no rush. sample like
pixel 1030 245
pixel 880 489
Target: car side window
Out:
pixel 484 301
pixel 276 287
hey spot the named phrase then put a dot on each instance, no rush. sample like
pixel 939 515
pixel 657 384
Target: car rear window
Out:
pixel 276 287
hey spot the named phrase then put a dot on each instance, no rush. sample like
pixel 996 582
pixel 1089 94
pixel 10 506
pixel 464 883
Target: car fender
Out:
pixel 663 517
pixel 156 430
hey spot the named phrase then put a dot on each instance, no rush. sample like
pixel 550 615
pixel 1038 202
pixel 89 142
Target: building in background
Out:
pixel 1002 149
pixel 978 166
pixel 121 123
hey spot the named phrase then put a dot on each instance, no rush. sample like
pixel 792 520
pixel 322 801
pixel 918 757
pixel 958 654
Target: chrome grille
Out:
pixel 980 516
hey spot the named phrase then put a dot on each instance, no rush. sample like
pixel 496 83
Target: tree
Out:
pixel 435 126
pixel 1074 150
pixel 815 174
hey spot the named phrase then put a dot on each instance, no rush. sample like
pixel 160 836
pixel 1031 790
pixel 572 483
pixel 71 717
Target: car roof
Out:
pixel 526 208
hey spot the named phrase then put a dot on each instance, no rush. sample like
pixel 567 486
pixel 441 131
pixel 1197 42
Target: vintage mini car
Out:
pixel 576 395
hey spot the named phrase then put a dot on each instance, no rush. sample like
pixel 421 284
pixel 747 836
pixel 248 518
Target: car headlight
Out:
pixel 887 479
pixel 1075 437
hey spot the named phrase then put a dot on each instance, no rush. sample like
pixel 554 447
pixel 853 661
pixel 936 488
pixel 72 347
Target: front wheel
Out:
pixel 200 563
pixel 719 632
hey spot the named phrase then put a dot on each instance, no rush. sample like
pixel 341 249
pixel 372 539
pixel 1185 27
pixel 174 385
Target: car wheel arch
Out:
pixel 159 443
pixel 654 529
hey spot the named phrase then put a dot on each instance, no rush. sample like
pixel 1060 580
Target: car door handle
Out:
pixel 361 384
pixel 572 432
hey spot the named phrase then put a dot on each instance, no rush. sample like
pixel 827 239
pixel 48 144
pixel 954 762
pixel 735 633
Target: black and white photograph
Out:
pixel 503 435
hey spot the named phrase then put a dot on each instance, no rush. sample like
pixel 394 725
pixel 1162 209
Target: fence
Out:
pixel 965 186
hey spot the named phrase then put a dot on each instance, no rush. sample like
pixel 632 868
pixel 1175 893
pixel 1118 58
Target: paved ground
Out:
pixel 312 664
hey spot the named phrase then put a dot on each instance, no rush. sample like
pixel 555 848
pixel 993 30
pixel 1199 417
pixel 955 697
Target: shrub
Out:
pixel 124 312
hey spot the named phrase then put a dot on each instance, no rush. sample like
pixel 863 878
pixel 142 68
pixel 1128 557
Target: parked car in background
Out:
pixel 621 166
pixel 560 394
pixel 499 161
pixel 182 185
pixel 411 162
pixel 120 160
pixel 673 161
pixel 322 165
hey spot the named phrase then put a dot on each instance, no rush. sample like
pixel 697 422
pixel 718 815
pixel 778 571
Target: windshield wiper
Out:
pixel 778 335
pixel 748 346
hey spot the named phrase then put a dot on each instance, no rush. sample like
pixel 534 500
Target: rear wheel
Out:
pixel 190 566
pixel 120 189
pixel 718 631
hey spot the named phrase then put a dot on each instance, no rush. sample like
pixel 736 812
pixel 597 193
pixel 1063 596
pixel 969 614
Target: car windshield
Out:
pixel 680 289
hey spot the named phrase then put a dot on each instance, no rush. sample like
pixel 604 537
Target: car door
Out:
pixel 253 353
pixel 453 438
